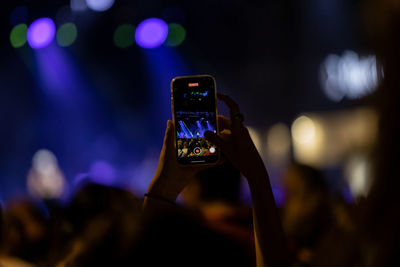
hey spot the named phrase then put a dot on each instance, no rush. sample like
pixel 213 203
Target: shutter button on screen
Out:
pixel 197 150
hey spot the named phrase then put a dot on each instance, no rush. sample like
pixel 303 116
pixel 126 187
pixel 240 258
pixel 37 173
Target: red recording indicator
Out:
pixel 193 84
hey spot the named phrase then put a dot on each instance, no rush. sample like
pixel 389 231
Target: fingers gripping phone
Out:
pixel 194 110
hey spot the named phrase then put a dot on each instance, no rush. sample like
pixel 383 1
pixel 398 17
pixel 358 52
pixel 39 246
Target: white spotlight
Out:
pixel 99 5
pixel 349 75
pixel 357 171
pixel 278 143
pixel 303 130
pixel 308 136
pixel 45 178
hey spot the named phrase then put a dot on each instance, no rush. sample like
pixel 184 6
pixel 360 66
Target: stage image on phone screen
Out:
pixel 195 113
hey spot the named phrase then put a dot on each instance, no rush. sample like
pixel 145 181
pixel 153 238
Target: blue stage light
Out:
pixel 151 33
pixel 102 172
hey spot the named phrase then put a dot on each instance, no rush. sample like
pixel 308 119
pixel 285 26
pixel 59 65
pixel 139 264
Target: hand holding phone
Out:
pixel 235 142
pixel 194 112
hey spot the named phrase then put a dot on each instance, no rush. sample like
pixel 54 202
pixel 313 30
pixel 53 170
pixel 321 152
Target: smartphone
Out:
pixel 194 111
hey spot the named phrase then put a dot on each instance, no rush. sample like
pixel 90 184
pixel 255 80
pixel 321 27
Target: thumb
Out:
pixel 169 135
pixel 169 139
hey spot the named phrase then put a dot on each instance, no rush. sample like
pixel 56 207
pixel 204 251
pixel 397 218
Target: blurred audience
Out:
pixel 24 239
pixel 215 194
pixel 306 214
pixel 315 221
pixel 178 238
pixel 105 222
pixel 381 219
pixel 107 226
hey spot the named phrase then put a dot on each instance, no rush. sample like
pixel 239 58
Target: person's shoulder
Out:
pixel 14 262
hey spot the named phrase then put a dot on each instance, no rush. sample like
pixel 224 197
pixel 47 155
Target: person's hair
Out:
pixel 107 219
pixel 176 238
pixel 24 230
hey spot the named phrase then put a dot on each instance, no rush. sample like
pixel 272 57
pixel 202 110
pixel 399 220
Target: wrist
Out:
pixel 164 188
pixel 256 172
pixel 163 193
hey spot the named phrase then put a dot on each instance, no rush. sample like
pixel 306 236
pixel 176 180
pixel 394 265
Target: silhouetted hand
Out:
pixel 235 142
pixel 170 177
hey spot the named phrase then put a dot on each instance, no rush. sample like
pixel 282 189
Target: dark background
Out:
pixel 265 54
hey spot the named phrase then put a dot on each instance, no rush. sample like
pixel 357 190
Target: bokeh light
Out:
pixel 349 76
pixel 358 175
pixel 19 15
pixel 176 35
pixel 303 130
pixel 18 35
pixel 256 137
pixel 124 35
pixel 102 172
pixel 308 139
pixel 278 143
pixel 41 33
pixel 67 34
pixel 99 5
pixel 151 33
pixel 44 161
pixel 45 178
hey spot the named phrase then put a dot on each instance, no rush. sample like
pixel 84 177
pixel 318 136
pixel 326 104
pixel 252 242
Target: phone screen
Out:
pixel 194 110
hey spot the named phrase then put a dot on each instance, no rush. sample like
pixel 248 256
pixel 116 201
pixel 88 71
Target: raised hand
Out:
pixel 170 177
pixel 235 142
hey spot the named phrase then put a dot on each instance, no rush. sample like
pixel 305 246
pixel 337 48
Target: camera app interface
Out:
pixel 194 104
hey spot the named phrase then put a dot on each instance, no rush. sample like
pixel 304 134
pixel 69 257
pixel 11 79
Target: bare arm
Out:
pixel 238 147
pixel 270 242
pixel 170 178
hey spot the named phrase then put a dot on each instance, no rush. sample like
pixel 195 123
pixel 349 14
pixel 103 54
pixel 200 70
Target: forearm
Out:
pixel 152 206
pixel 161 195
pixel 270 240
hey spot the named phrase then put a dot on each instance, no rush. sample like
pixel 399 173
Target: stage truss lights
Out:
pixel 349 75
pixel 18 35
pixel 67 34
pixel 41 33
pixel 176 35
pixel 151 33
